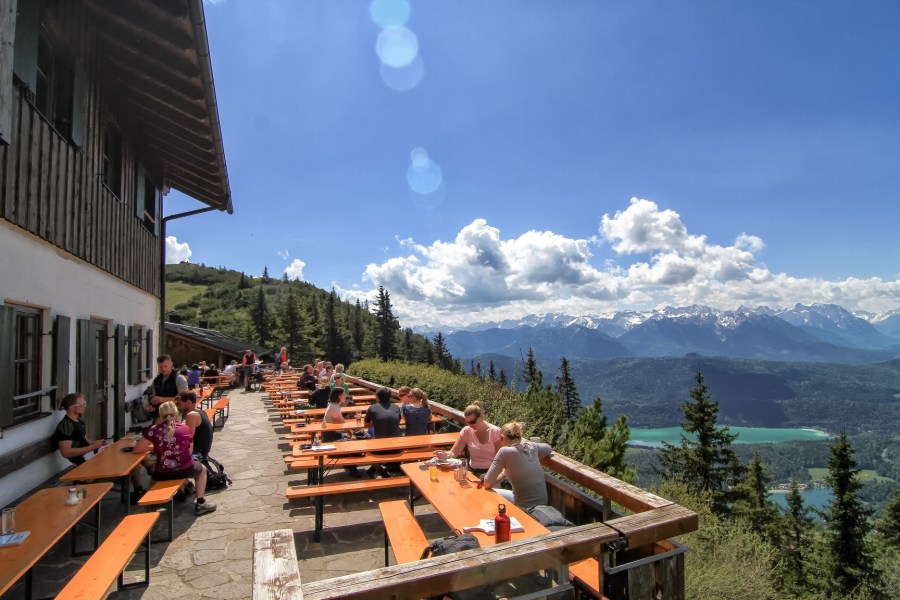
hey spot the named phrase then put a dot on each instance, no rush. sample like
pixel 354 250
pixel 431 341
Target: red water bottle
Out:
pixel 501 525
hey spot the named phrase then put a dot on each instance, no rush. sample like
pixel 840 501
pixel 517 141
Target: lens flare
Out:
pixel 404 78
pixel 424 176
pixel 389 13
pixel 397 47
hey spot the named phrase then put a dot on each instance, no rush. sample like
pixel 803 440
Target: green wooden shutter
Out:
pixel 122 352
pixel 86 367
pixel 7 371
pixel 149 355
pixel 79 103
pixel 62 334
pixel 28 26
pixel 134 360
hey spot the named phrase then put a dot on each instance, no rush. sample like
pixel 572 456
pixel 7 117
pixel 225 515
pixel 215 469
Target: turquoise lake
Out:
pixel 654 438
pixel 815 497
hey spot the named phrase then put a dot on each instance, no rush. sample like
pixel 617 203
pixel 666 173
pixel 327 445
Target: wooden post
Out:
pixel 7 49
pixel 275 572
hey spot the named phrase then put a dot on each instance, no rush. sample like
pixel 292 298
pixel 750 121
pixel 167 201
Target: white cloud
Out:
pixel 283 254
pixel 295 269
pixel 479 276
pixel 176 251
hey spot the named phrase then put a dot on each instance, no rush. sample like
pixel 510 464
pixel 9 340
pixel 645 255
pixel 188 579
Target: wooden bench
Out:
pixel 401 532
pixel 318 493
pixel 222 409
pixel 105 567
pixel 312 462
pixel 276 575
pixel 585 575
pixel 162 492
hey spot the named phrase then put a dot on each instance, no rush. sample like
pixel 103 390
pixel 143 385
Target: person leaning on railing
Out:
pixel 519 462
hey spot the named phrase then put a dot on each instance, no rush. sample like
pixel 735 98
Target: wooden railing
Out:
pixel 635 557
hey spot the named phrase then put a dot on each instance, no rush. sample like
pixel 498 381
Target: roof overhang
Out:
pixel 159 54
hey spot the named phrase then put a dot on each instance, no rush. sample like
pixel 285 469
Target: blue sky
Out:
pixel 559 156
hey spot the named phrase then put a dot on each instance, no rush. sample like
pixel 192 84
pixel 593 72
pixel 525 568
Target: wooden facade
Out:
pixel 104 107
pixel 80 169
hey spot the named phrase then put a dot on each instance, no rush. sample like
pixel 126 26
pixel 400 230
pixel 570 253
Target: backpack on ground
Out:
pixel 216 479
pixel 458 543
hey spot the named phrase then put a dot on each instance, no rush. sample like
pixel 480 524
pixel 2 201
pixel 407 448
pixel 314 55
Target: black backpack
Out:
pixel 458 543
pixel 216 479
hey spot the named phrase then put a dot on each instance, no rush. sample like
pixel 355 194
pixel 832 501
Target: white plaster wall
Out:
pixel 35 273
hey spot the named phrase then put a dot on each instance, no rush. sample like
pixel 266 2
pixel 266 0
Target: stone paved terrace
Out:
pixel 211 556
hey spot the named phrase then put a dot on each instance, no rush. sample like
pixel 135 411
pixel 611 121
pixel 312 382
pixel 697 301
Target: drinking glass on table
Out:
pixel 9 521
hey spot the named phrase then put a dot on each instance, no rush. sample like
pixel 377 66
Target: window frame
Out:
pixel 26 348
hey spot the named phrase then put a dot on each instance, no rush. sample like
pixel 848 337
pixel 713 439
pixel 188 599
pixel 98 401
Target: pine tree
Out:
pixel 795 541
pixel 568 392
pixel 265 275
pixel 593 443
pixel 284 278
pixel 542 411
pixel 242 282
pixel 408 346
pixel 335 344
pixel 259 315
pixel 492 372
pixel 358 329
pixel 442 357
pixel 707 463
pixel 752 500
pixel 502 381
pixel 293 327
pixel 387 325
pixel 847 559
pixel 889 525
pixel 530 372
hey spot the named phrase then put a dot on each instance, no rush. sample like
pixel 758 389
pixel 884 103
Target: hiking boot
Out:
pixel 180 495
pixel 372 472
pixel 202 509
pixel 354 472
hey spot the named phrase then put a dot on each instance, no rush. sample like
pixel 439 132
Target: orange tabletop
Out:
pixel 107 464
pixel 305 413
pixel 464 505
pixel 434 440
pixel 47 516
pixel 347 425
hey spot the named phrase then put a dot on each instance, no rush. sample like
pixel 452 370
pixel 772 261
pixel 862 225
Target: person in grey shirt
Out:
pixel 519 462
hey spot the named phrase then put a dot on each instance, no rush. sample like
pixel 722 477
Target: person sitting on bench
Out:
pixel 70 437
pixel 172 443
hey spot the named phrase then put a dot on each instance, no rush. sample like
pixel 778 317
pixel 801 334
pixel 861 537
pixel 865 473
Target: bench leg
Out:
pixel 386 544
pixel 138 584
pixel 171 522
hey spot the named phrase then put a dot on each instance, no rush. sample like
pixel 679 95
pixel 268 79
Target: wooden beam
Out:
pixel 142 29
pixel 443 574
pixel 21 458
pixel 7 47
pixel 624 494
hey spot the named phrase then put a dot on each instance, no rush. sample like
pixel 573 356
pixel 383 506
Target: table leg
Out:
pixel 126 494
pixel 412 498
pixel 320 502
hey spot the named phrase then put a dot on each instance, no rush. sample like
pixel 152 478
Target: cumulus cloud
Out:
pixel 295 269
pixel 656 261
pixel 176 251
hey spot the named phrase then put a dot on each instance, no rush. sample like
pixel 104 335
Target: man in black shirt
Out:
pixel 70 435
pixel 384 417
pixel 319 398
pixel 165 386
pixel 198 421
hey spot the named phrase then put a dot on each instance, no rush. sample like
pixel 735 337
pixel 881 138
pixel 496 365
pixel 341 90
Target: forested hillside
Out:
pixel 308 321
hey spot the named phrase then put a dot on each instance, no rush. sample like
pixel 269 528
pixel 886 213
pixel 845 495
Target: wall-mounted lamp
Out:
pixel 135 347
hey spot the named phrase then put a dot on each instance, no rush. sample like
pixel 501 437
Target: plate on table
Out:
pixel 445 463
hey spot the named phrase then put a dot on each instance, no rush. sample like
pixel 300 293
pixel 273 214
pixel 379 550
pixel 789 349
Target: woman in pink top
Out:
pixel 481 439
pixel 172 442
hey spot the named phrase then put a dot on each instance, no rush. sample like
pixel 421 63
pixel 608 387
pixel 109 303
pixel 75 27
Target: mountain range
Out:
pixel 813 333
